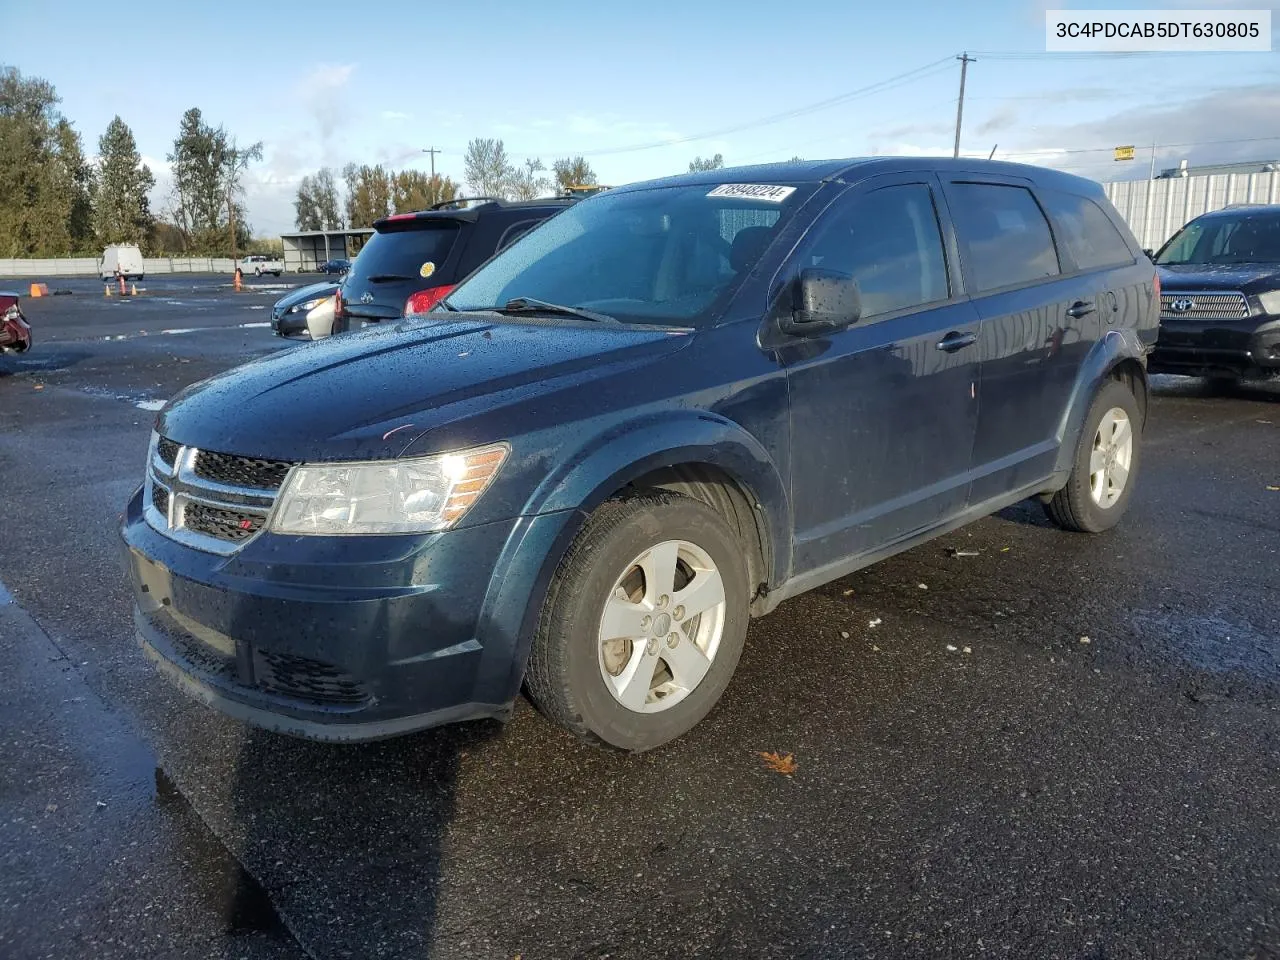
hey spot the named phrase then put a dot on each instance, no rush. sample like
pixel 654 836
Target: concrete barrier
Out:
pixel 90 267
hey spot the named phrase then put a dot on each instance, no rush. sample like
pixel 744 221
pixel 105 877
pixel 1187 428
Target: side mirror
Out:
pixel 821 301
pixel 1151 254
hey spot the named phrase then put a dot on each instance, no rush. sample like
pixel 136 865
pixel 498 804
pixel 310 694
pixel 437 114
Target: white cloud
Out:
pixel 395 115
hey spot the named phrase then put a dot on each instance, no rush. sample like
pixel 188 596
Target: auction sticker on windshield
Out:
pixel 753 191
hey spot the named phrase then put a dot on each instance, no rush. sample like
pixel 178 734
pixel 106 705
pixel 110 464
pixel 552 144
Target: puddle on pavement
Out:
pixel 1213 643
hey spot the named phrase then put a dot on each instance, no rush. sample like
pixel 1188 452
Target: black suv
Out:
pixel 1220 296
pixel 667 410
pixel 414 259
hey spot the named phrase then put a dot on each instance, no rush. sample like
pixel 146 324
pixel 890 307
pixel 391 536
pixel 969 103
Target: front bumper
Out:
pixel 1245 347
pixel 292 325
pixel 343 638
pixel 15 335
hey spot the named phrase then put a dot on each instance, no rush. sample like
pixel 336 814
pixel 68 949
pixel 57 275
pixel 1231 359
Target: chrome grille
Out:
pixel 211 501
pixel 241 471
pixel 1177 305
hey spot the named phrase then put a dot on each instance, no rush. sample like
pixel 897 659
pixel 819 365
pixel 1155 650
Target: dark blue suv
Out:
pixel 665 411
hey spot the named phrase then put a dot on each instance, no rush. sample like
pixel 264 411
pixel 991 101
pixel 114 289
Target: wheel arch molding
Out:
pixel 1119 354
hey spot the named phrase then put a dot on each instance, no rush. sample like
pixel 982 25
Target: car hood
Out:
pixel 368 395
pixel 1246 277
pixel 303 294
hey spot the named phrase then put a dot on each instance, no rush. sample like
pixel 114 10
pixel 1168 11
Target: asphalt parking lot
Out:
pixel 1046 746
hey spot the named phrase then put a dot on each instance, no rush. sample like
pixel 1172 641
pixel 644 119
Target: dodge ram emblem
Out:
pixel 1182 305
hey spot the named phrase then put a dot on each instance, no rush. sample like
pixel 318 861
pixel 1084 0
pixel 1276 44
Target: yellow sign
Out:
pixel 1124 153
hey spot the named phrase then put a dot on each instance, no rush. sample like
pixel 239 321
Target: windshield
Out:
pixel 669 255
pixel 1244 239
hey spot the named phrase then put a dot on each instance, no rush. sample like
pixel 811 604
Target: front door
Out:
pixel 883 413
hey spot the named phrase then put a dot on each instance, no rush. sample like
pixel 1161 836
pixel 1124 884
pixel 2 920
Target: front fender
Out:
pixel 1114 348
pixel 607 463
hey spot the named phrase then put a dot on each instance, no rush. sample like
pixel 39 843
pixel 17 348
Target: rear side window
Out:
pixel 890 243
pixel 402 254
pixel 1089 234
pixel 1003 235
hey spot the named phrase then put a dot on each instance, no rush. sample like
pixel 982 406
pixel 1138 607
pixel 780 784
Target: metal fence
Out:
pixel 1155 209
pixel 89 266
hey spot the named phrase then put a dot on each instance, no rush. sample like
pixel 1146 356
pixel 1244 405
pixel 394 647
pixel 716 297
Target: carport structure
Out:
pixel 306 250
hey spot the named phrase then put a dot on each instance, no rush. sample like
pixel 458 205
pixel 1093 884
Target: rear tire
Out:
pixel 643 624
pixel 1108 455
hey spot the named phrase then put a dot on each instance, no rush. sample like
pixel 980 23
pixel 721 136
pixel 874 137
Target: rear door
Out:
pixel 1039 320
pixel 883 413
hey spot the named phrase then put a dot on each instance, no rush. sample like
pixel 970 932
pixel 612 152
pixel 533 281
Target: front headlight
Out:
pixel 421 495
pixel 308 306
pixel 1270 301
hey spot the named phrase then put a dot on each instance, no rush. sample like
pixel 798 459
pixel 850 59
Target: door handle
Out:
pixel 1081 308
pixel 955 341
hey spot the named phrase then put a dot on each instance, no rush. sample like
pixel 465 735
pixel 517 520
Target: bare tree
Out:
pixel 488 170
pixel 526 184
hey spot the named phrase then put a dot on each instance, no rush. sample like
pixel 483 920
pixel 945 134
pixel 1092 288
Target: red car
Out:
pixel 15 332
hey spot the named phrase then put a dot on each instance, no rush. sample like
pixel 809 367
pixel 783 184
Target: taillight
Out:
pixel 1156 285
pixel 338 305
pixel 424 300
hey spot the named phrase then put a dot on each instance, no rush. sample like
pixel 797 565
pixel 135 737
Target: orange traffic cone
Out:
pixel 133 289
pixel 122 284
pixel 106 289
pixel 237 279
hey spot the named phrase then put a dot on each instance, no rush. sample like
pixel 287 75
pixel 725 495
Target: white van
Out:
pixel 122 259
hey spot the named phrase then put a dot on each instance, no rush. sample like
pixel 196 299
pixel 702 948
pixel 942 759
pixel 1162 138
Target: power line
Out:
pixel 910 76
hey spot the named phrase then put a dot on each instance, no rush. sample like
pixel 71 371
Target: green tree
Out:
pixel 208 173
pixel 368 194
pixel 328 208
pixel 697 164
pixel 488 171
pixel 45 183
pixel 121 210
pixel 414 190
pixel 573 172
pixel 306 211
pixel 526 184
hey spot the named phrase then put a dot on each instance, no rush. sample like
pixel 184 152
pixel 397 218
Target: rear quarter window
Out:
pixel 1089 235
pixel 1004 237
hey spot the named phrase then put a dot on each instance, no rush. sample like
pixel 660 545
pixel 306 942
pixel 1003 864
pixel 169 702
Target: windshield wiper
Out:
pixel 530 305
pixel 384 277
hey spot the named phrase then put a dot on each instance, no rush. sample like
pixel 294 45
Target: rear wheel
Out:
pixel 1106 464
pixel 644 622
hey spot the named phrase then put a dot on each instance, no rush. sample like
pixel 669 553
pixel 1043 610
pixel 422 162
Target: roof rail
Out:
pixel 460 200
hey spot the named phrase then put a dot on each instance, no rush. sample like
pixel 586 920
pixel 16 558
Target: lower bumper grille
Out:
pixel 306 679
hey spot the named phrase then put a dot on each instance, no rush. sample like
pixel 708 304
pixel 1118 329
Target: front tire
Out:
pixel 1106 463
pixel 643 624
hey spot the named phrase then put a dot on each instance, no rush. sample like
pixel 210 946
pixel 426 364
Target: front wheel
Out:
pixel 643 624
pixel 258 272
pixel 1106 464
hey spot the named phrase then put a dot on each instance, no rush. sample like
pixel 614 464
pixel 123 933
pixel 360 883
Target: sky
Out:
pixel 341 82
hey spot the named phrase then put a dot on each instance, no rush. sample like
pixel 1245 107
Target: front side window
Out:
pixel 1004 237
pixel 890 242
pixel 665 255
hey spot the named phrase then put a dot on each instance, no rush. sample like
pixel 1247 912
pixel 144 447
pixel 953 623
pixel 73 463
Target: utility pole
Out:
pixel 965 60
pixel 433 151
pixel 1153 162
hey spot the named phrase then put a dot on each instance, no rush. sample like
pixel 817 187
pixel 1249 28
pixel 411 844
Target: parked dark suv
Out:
pixel 663 412
pixel 414 259
pixel 1220 296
